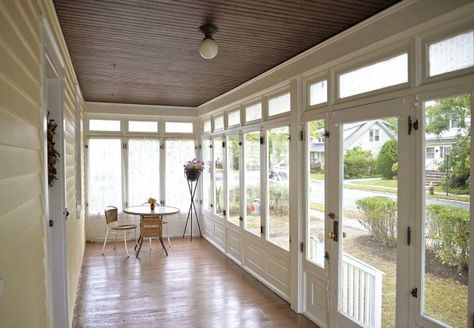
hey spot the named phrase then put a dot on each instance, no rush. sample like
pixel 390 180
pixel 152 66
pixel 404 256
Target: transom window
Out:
pixel 178 127
pixel 318 93
pixel 279 105
pixel 142 126
pixel 233 118
pixel 385 73
pixel 104 125
pixel 219 122
pixel 253 112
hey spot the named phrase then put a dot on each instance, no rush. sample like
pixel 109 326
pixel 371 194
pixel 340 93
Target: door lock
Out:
pixel 333 236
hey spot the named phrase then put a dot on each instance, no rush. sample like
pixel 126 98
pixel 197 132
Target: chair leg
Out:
pixel 105 241
pixel 125 241
pixel 150 244
pixel 163 245
pixel 136 241
pixel 115 238
pixel 139 246
pixel 168 235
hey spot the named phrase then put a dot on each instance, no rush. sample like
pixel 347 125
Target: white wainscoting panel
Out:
pixel 266 262
pixel 315 303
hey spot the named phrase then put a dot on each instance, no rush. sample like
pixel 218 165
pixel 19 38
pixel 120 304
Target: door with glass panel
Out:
pixel 367 216
pixel 443 208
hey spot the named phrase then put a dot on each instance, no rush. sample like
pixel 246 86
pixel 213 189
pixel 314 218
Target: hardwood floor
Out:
pixel 195 286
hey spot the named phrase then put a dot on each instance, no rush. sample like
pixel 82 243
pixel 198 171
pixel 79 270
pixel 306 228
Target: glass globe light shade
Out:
pixel 208 48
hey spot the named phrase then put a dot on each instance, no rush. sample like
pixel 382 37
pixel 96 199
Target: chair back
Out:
pixel 151 227
pixel 110 214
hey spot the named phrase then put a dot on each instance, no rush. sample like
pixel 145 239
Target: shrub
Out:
pixel 279 199
pixel 388 156
pixel 380 218
pixel 359 163
pixel 448 231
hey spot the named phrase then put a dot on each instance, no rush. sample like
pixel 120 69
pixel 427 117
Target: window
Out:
pixel 315 224
pixel 219 122
pixel 142 126
pixel 178 152
pixel 430 153
pixel 279 187
pixel 233 118
pixel 444 289
pixel 105 174
pixel 178 127
pixel 374 135
pixel 444 151
pixel 206 178
pixel 218 176
pixel 279 105
pixel 451 54
pixel 252 182
pixel 207 126
pixel 318 93
pixel 104 125
pixel 376 76
pixel 143 170
pixel 253 112
pixel 233 178
pixel 454 123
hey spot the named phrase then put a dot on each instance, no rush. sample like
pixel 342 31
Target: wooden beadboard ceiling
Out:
pixel 146 52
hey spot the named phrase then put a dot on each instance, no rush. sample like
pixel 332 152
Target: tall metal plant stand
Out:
pixel 192 185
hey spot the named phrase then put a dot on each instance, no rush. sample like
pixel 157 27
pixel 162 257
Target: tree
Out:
pixel 457 162
pixel 388 156
pixel 445 110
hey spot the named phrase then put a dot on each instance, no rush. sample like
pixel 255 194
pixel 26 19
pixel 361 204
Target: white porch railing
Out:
pixel 361 292
pixel 361 287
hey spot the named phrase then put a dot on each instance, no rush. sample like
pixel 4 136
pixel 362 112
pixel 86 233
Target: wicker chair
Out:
pixel 111 217
pixel 151 227
pixel 165 224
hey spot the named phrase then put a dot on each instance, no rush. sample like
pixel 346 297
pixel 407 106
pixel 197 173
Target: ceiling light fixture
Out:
pixel 208 47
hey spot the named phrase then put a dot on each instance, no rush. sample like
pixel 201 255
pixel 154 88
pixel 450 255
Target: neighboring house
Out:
pixel 368 135
pixel 438 146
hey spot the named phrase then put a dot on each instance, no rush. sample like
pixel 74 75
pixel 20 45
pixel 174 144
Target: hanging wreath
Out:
pixel 53 155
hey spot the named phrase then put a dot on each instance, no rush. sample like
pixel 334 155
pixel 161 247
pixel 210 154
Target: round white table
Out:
pixel 146 211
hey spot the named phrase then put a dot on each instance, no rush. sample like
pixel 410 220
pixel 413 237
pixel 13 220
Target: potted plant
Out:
pixel 193 169
pixel 152 202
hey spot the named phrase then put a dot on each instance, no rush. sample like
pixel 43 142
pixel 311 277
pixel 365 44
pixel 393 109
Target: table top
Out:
pixel 146 211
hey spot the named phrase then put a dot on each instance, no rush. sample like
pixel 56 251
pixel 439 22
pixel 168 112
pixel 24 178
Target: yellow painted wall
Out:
pixel 22 231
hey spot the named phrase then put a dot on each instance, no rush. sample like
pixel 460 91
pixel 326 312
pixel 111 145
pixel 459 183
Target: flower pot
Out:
pixel 152 206
pixel 193 175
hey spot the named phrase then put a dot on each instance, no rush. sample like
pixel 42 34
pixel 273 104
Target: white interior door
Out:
pixel 368 250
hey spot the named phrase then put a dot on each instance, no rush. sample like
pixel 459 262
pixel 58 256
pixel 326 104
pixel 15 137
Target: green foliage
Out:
pixel 233 149
pixel 458 163
pixel 448 229
pixel 388 156
pixel 439 115
pixel 279 199
pixel 380 218
pixel 313 127
pixel 278 145
pixel 234 201
pixel 395 168
pixel 359 163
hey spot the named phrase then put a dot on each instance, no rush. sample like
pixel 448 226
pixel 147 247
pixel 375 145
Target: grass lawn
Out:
pixel 391 186
pixel 317 176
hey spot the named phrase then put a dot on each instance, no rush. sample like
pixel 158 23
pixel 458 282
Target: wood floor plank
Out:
pixel 195 286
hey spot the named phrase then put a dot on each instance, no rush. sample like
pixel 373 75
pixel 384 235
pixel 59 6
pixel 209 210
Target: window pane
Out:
pixel 178 127
pixel 233 118
pixel 207 126
pixel 253 112
pixel 368 275
pixel 380 75
pixel 206 182
pixel 142 126
pixel 446 212
pixel 177 153
pixel 104 125
pixel 143 170
pixel 252 181
pixel 233 178
pixel 219 122
pixel 318 93
pixel 278 187
pixel 280 104
pixel 218 176
pixel 317 178
pixel 451 54
pixel 105 174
